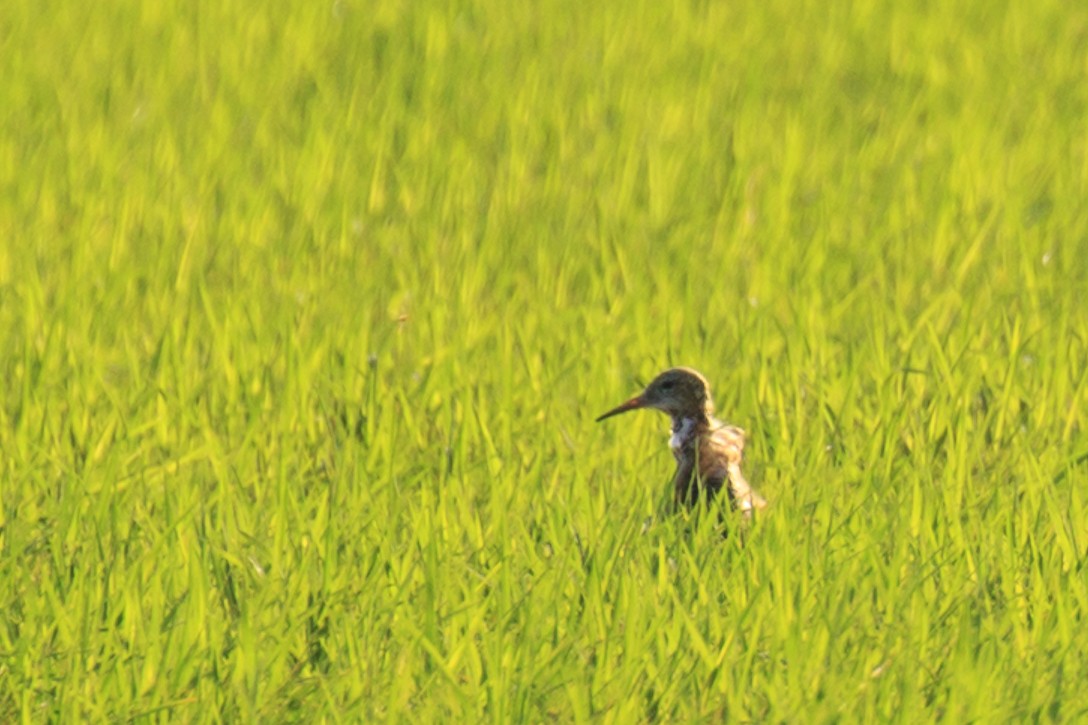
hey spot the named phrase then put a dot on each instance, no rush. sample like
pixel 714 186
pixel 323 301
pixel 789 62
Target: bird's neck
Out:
pixel 686 428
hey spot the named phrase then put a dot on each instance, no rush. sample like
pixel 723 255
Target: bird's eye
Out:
pixel 667 385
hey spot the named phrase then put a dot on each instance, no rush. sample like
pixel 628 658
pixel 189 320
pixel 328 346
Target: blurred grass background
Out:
pixel 306 310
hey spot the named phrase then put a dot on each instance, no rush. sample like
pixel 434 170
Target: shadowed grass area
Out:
pixel 306 311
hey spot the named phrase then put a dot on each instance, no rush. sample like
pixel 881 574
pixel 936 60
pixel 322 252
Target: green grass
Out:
pixel 306 310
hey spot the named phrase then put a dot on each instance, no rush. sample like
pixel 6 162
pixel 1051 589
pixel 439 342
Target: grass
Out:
pixel 306 310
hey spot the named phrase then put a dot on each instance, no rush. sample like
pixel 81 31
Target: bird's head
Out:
pixel 680 392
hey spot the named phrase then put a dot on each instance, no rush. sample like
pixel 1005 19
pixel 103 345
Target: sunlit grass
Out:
pixel 306 312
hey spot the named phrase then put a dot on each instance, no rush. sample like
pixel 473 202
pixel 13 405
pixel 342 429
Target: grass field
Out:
pixel 306 310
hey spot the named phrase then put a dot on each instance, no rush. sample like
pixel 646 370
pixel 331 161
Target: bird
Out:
pixel 708 452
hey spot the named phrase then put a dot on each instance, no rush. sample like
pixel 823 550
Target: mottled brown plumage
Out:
pixel 708 452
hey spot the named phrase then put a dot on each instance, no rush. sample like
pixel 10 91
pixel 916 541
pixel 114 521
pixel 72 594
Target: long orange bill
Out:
pixel 631 404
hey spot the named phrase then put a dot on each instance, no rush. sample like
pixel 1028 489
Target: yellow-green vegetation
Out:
pixel 306 310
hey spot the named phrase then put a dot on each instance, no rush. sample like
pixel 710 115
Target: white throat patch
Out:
pixel 681 434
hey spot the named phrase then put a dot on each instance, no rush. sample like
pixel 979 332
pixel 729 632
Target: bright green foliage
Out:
pixel 306 310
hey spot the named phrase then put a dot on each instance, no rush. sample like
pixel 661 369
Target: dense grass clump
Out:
pixel 306 310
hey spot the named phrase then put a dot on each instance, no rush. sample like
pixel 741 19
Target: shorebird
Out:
pixel 708 452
